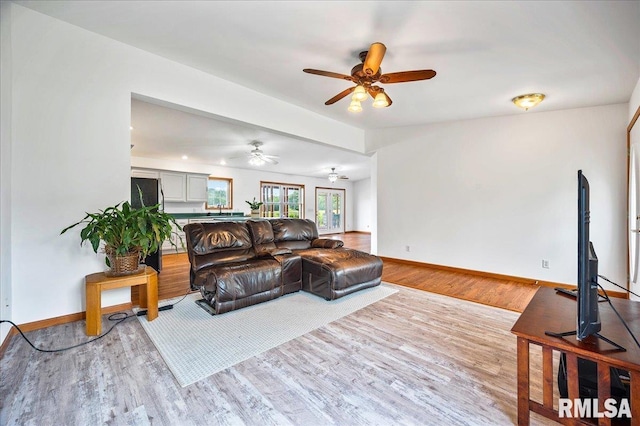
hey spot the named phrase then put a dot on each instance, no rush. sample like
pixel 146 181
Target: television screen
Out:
pixel 588 317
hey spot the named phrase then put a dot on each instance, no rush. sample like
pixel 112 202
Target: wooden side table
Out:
pixel 95 283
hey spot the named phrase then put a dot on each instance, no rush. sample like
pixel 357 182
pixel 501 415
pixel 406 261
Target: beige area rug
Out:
pixel 195 344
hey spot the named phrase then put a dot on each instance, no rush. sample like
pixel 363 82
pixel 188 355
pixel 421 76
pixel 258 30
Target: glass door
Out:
pixel 330 210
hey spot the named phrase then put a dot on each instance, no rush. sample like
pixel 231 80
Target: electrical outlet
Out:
pixel 545 263
pixel 407 248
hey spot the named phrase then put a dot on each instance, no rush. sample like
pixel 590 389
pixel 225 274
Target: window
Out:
pixel 282 200
pixel 219 193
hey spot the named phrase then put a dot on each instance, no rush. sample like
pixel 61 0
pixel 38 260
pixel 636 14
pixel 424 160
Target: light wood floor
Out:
pixel 414 358
pixel 174 279
pixel 403 360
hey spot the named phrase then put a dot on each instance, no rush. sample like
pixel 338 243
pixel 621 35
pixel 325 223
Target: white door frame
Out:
pixel 633 205
pixel 335 224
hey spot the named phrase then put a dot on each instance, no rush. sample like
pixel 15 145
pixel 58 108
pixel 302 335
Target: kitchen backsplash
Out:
pixel 196 208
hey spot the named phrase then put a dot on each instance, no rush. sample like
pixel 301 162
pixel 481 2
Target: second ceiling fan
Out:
pixel 366 75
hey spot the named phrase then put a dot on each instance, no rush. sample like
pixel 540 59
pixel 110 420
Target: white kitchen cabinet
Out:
pixel 178 187
pixel 167 247
pixel 174 186
pixel 145 173
pixel 197 187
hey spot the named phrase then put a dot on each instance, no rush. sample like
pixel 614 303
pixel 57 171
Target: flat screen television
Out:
pixel 588 316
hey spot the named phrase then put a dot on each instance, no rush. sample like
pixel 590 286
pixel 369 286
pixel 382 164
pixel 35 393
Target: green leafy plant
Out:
pixel 125 229
pixel 255 205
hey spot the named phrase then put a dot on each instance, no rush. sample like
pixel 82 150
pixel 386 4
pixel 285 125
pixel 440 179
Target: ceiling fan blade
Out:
pixel 340 95
pixel 374 58
pixel 328 74
pixel 269 160
pixel 406 76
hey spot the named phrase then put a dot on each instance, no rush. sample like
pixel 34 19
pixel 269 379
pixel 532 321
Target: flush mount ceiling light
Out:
pixel 528 101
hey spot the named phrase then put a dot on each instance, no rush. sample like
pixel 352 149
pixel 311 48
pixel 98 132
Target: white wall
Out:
pixel 69 143
pixel 364 207
pixel 5 168
pixel 634 102
pixel 246 185
pixel 499 194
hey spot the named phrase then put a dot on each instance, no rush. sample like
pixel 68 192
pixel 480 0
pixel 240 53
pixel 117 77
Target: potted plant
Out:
pixel 129 234
pixel 255 207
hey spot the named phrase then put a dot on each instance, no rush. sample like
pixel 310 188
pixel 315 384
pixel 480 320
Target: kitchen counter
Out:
pixel 214 217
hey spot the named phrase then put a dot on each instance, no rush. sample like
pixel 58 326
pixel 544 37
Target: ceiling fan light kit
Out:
pixel 528 101
pixel 257 157
pixel 333 176
pixel 366 74
pixel 256 161
pixel 359 94
pixel 380 101
pixel 355 106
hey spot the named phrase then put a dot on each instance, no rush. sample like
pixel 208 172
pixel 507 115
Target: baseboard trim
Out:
pixel 358 232
pixel 64 319
pixel 530 281
pixel 12 332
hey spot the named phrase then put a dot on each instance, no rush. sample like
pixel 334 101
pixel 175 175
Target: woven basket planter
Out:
pixel 125 264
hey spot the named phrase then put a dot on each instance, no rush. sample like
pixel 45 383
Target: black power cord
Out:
pixel 123 316
pixel 617 285
pixel 606 296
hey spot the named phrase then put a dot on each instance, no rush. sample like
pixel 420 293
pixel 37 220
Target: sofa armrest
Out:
pixel 326 243
pixel 274 252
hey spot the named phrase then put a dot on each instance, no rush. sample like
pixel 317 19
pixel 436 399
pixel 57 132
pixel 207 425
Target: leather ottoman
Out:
pixel 332 274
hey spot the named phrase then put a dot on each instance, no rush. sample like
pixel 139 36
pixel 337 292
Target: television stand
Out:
pixel 574 332
pixel 574 293
pixel 548 311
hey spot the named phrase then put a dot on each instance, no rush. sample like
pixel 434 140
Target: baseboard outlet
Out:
pixel 522 280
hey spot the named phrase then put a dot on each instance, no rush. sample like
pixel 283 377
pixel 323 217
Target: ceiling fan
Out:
pixel 257 157
pixel 333 176
pixel 366 75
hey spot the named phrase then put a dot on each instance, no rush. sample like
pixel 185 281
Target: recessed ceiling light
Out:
pixel 130 127
pixel 184 157
pixel 223 163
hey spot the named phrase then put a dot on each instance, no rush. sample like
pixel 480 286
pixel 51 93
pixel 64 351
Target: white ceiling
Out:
pixel 168 132
pixel 579 53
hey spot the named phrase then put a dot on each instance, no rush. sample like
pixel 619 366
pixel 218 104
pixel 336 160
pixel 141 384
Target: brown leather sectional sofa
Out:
pixel 238 264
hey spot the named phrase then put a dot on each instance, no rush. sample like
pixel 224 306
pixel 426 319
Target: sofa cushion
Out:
pixel 295 234
pixel 262 237
pixel 326 243
pixel 217 243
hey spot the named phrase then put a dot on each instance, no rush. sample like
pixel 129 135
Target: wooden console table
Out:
pixel 549 311
pixel 95 283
